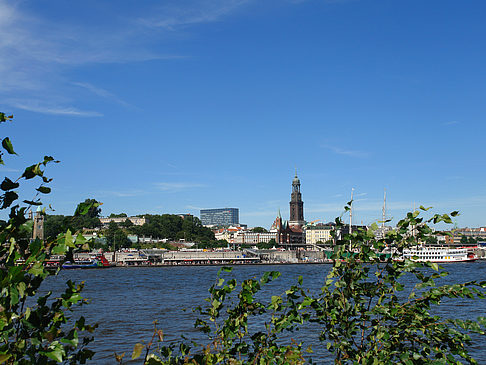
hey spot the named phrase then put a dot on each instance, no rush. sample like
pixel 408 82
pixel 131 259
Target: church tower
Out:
pixel 296 204
pixel 38 231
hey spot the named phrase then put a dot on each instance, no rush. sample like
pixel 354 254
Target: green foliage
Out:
pixel 367 317
pixel 230 339
pixel 86 217
pixel 465 240
pixel 89 208
pixel 258 230
pixel 431 240
pixel 121 215
pixel 174 227
pixel 213 244
pixel 127 223
pixel 365 312
pixel 116 237
pixel 57 224
pixel 35 329
pixel 267 245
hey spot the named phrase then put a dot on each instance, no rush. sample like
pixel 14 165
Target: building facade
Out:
pixel 318 233
pixel 137 221
pixel 253 238
pixel 220 217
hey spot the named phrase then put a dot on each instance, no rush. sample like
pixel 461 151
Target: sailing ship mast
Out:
pixel 351 213
pixel 384 211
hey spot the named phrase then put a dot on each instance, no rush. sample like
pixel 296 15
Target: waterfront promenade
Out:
pixel 160 257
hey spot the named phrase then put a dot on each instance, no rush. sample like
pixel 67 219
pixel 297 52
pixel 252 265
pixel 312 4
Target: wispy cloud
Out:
pixel 194 207
pixel 39 52
pixel 122 193
pixel 101 92
pixel 177 186
pixel 191 13
pixel 452 122
pixel 345 152
pixel 6 169
pixel 34 106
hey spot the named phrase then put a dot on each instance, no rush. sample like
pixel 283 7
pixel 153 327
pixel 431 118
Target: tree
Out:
pixel 127 223
pixel 364 313
pixel 89 208
pixel 472 241
pixel 35 329
pixel 258 230
pixel 266 245
pixel 116 237
pixel 55 225
pixel 431 240
pixel 121 215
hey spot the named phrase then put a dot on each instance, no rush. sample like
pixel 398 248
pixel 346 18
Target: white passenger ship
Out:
pixel 438 254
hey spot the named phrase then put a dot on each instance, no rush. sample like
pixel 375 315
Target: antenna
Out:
pixel 413 225
pixel 351 213
pixel 384 210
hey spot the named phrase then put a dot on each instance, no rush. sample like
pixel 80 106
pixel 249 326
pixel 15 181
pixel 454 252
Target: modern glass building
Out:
pixel 220 217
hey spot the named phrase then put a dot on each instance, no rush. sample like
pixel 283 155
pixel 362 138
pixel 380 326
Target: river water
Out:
pixel 126 301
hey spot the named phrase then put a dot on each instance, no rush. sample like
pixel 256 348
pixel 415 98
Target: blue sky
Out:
pixel 173 106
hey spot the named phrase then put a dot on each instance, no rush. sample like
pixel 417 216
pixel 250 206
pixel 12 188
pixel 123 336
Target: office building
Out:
pixel 220 217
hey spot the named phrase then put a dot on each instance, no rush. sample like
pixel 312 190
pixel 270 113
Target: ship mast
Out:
pixel 384 211
pixel 351 213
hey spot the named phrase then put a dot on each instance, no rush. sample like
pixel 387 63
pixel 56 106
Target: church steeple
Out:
pixel 296 203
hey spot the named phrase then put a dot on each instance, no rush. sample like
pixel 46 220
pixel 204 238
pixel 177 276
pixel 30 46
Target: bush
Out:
pixel 35 328
pixel 363 311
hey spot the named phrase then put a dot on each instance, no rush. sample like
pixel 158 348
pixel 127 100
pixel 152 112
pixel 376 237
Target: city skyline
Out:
pixel 188 105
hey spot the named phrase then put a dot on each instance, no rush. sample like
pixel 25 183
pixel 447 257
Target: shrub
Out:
pixel 364 313
pixel 35 328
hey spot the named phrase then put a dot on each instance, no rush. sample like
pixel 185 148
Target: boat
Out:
pixel 439 254
pixel 98 262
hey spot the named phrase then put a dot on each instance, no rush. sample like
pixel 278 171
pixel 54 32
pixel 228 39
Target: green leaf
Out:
pixel 4 357
pixel 57 354
pixel 43 189
pixel 7 144
pixel 37 269
pixel 434 266
pixel 8 184
pixel 21 289
pixel 68 239
pixel 8 198
pixel 31 202
pixel 14 296
pixel 80 240
pixel 137 351
pixel 32 171
pixel 5 118
pixel 225 268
